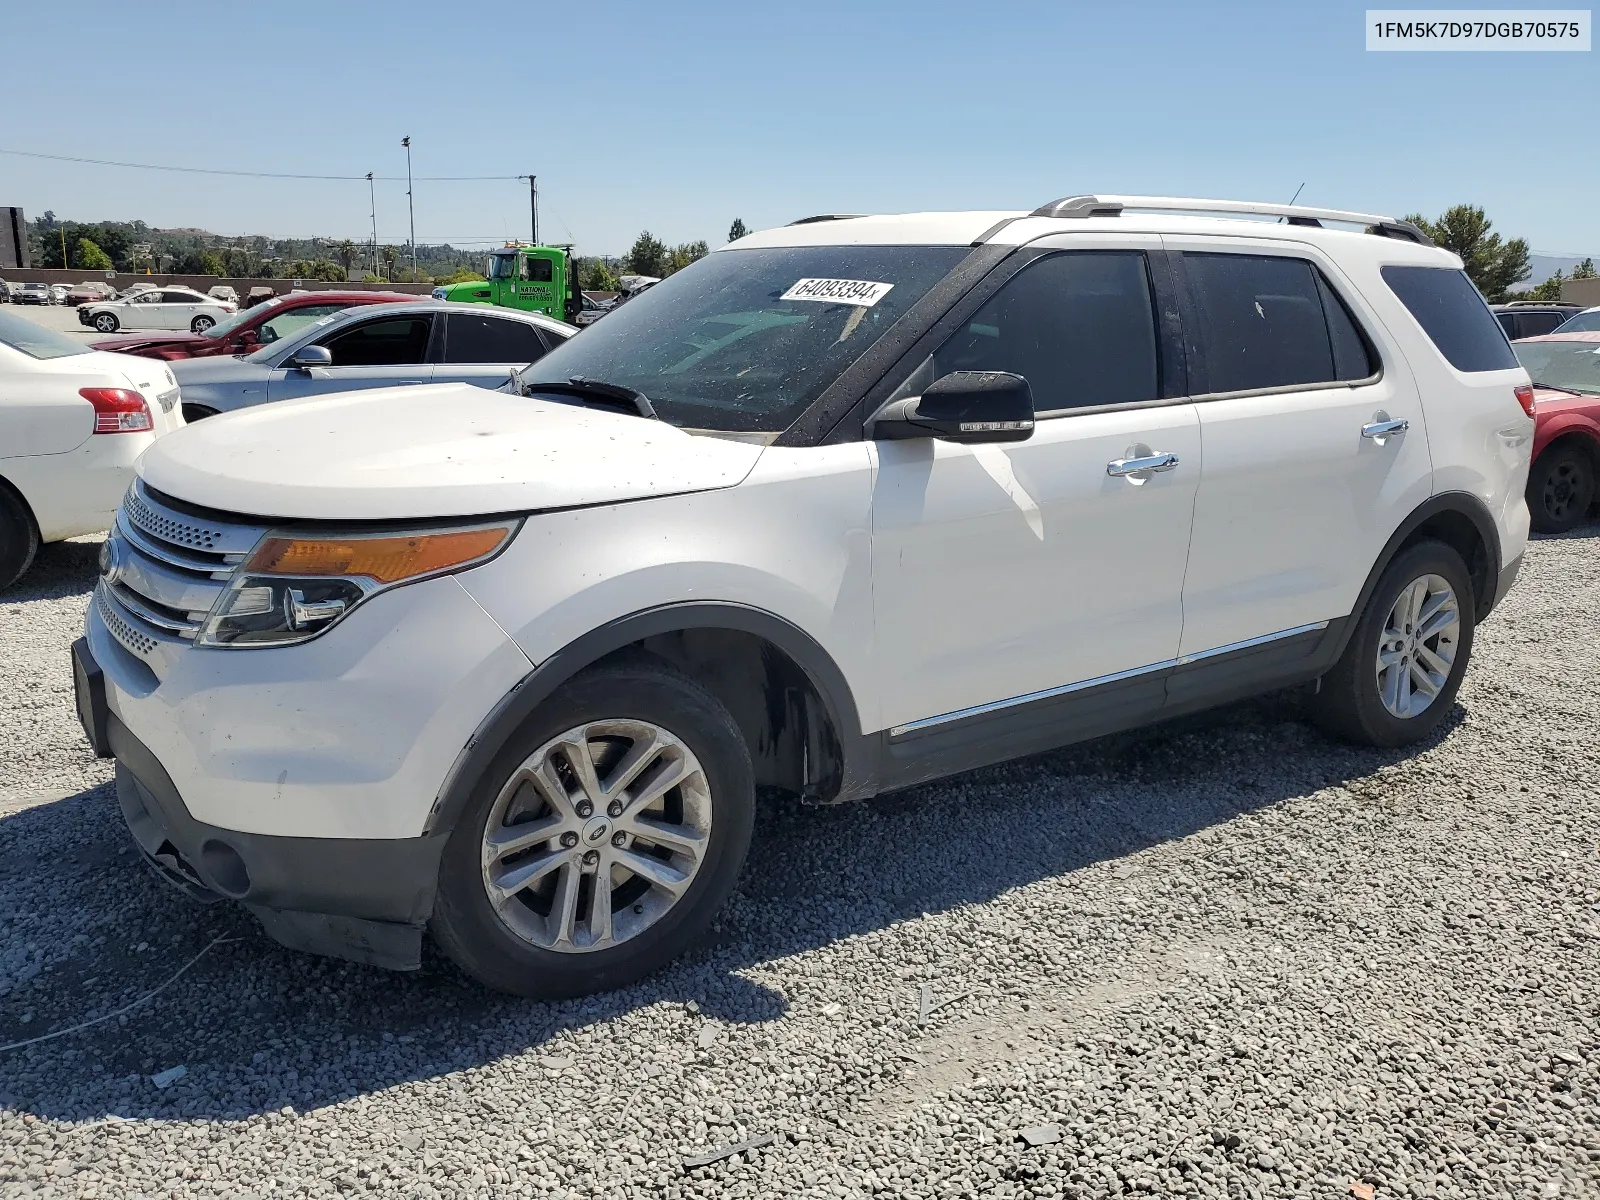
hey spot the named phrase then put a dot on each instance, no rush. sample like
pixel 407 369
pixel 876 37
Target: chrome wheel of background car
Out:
pixel 1417 649
pixel 105 323
pixel 201 324
pixel 596 835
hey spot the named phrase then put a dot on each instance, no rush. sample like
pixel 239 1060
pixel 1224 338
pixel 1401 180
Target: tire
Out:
pixel 519 945
pixel 1354 702
pixel 201 323
pixel 19 538
pixel 196 412
pixel 106 322
pixel 1560 489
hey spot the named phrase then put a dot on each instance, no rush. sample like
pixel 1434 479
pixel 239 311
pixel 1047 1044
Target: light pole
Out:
pixel 406 142
pixel 373 196
pixel 533 207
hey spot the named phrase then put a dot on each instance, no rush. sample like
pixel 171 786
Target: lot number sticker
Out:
pixel 838 291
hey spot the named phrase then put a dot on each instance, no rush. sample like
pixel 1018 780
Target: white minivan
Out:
pixel 852 504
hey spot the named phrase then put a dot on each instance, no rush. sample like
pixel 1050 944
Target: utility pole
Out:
pixel 63 231
pixel 373 197
pixel 406 142
pixel 533 205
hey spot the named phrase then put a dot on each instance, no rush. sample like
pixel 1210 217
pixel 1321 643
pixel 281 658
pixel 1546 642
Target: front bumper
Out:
pixel 359 899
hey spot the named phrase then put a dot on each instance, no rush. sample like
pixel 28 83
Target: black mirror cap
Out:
pixel 968 407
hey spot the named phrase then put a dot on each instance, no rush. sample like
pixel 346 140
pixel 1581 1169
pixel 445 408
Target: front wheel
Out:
pixel 1560 489
pixel 604 838
pixel 106 322
pixel 1403 665
pixel 201 323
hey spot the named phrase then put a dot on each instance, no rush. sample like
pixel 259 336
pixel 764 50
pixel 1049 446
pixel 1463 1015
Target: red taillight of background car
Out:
pixel 118 410
pixel 1525 397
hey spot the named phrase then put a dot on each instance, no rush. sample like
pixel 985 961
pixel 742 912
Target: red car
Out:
pixel 1565 368
pixel 247 330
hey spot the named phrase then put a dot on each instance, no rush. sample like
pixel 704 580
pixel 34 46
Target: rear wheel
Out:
pixel 202 323
pixel 1401 670
pixel 1560 489
pixel 106 322
pixel 604 838
pixel 19 538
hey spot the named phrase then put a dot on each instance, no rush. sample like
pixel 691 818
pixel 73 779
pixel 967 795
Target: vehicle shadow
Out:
pixel 86 929
pixel 60 569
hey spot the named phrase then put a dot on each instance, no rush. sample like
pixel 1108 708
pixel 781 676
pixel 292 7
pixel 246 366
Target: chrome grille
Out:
pixel 165 569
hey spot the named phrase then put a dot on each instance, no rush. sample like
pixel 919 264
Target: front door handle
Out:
pixel 1144 464
pixel 1382 429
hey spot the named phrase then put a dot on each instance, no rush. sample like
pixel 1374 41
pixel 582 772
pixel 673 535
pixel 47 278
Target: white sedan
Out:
pixel 158 308
pixel 73 421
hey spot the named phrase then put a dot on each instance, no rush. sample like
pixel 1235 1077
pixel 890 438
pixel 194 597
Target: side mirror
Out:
pixel 311 356
pixel 248 337
pixel 968 407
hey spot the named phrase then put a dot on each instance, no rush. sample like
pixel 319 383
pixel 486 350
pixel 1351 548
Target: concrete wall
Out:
pixel 1581 291
pixel 201 283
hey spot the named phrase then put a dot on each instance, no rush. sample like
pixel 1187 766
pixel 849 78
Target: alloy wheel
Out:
pixel 596 835
pixel 1417 649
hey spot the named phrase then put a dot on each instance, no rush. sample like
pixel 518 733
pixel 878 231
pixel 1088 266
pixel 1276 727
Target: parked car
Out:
pixel 133 289
pixel 158 308
pixel 88 292
pixel 591 311
pixel 423 341
pixel 223 292
pixel 246 331
pixel 30 293
pixel 259 295
pixel 1565 369
pixel 5 292
pixel 58 293
pixel 61 474
pixel 850 505
pixel 1584 321
pixel 1527 318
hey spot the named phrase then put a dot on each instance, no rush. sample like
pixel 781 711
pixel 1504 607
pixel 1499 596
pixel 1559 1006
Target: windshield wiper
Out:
pixel 584 388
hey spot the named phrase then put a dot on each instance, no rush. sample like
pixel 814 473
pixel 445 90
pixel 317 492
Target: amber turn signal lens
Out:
pixel 385 559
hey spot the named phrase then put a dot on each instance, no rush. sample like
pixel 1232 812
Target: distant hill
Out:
pixel 1546 265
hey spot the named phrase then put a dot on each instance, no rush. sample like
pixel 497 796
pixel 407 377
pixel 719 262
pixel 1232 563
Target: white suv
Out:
pixel 859 503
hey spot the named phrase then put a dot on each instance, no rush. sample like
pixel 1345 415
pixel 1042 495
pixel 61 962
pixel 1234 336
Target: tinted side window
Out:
pixel 1261 322
pixel 1352 355
pixel 1537 324
pixel 1079 326
pixel 471 338
pixel 1453 315
pixel 538 270
pixel 393 342
pixel 178 298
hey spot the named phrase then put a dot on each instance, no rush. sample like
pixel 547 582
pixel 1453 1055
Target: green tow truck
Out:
pixel 540 279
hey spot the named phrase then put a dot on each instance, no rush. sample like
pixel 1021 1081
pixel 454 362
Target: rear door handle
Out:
pixel 1382 429
pixel 1145 464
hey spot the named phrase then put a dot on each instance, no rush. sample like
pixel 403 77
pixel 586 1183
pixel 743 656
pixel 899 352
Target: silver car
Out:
pixel 373 346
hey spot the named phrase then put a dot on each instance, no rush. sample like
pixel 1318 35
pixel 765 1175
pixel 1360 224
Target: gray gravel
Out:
pixel 1225 959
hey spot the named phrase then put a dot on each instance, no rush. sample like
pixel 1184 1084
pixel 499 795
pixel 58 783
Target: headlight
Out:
pixel 293 587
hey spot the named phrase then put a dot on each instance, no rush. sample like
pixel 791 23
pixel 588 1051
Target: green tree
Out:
pixel 316 268
pixel 737 230
pixel 648 256
pixel 211 263
pixel 391 255
pixel 1547 292
pixel 345 252
pixel 1584 270
pixel 459 275
pixel 681 256
pixel 595 276
pixel 90 257
pixel 1491 263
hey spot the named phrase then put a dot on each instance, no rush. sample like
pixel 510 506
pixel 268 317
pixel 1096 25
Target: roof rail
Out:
pixel 825 217
pixel 1295 214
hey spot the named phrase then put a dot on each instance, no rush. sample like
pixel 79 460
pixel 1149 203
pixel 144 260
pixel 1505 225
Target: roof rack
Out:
pixel 826 217
pixel 1294 214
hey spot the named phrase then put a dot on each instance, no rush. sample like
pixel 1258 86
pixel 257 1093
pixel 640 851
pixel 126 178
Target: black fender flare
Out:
pixel 1461 503
pixel 535 687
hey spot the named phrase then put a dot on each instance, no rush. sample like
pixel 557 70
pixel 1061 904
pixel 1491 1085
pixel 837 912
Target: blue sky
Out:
pixel 679 116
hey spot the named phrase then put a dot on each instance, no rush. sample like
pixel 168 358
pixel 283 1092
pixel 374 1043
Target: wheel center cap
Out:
pixel 596 830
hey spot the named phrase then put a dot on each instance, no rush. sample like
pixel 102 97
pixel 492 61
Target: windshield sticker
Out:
pixel 838 291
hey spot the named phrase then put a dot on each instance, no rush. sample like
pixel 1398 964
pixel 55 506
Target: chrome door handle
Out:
pixel 1382 429
pixel 1145 464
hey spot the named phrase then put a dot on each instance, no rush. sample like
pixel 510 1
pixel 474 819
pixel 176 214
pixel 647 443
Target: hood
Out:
pixel 130 341
pixel 217 368
pixel 437 450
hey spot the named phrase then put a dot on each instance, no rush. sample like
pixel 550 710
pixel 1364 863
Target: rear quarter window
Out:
pixel 1453 315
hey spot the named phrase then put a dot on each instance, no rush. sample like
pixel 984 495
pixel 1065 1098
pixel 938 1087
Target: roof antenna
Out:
pixel 1297 192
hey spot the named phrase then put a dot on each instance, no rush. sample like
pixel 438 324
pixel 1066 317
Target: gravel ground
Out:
pixel 1225 959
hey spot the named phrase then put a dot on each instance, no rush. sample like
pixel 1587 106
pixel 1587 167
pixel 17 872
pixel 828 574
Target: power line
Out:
pixel 105 162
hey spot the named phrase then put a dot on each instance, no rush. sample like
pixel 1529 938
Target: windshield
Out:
pixel 1570 366
pixel 35 341
pixel 1584 322
pixel 744 340
pixel 502 266
pixel 223 328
